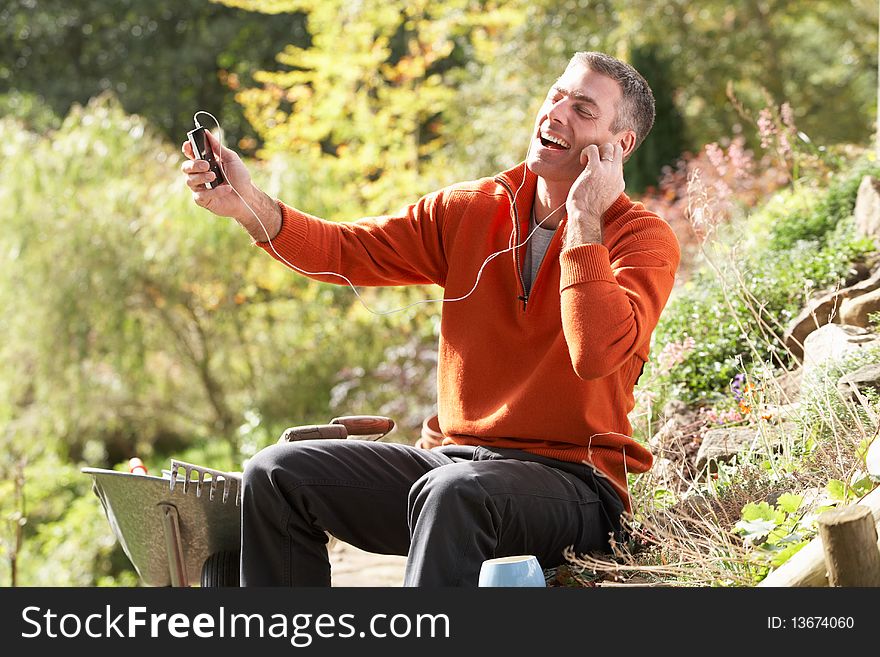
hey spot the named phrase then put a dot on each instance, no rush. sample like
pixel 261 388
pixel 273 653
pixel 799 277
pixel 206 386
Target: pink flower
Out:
pixel 730 416
pixel 784 146
pixel 787 116
pixel 740 160
pixel 722 190
pixel 716 157
pixel 675 353
pixel 766 127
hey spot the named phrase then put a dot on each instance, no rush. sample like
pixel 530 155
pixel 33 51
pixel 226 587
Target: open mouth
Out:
pixel 552 142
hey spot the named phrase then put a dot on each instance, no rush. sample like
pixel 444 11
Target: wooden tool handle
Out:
pixel 364 425
pixel 313 432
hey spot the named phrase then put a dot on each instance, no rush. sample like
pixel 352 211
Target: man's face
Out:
pixel 578 111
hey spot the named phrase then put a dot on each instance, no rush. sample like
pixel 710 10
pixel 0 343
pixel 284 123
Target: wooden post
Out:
pixel 807 567
pixel 849 538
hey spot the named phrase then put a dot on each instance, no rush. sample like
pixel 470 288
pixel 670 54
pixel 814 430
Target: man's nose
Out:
pixel 558 112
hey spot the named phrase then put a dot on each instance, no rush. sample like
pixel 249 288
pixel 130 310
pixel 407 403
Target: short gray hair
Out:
pixel 635 111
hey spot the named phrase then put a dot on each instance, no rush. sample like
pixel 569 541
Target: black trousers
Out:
pixel 447 509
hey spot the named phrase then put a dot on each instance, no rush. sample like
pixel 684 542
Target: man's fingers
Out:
pixel 611 153
pixel 215 146
pixel 590 155
pixel 197 181
pixel 197 174
pixel 194 166
pixel 604 153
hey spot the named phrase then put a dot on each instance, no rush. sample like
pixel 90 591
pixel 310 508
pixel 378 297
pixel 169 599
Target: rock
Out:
pixel 854 311
pixel 867 210
pixel 832 342
pixel 721 445
pixel 825 309
pixel 788 385
pixel 850 385
pixel 817 312
pixel 782 412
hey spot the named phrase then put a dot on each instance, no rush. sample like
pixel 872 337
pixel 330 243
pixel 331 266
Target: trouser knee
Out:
pixel 444 492
pixel 292 460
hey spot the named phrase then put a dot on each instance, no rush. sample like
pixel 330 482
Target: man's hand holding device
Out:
pixel 220 183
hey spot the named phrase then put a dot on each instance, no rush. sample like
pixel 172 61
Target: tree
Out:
pixel 781 46
pixel 164 59
pixel 368 103
pixel 667 140
pixel 137 324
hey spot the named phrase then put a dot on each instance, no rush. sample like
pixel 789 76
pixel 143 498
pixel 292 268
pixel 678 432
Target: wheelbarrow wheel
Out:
pixel 220 569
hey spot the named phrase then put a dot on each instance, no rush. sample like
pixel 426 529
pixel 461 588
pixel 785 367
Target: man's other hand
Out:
pixel 431 435
pixel 598 186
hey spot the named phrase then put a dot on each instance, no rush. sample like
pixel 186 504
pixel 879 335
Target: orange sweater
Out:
pixel 552 373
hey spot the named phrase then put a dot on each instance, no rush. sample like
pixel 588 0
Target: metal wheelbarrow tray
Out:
pixel 170 526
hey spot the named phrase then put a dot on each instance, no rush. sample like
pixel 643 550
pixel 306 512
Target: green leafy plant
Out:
pixel 776 533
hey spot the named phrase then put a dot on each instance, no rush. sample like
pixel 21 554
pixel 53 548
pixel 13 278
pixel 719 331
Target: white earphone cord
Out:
pixel 342 276
pixel 415 303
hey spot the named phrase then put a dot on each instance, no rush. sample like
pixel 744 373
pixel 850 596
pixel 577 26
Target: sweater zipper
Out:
pixel 524 297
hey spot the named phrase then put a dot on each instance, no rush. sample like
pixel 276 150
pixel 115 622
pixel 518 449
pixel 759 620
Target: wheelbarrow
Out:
pixel 185 526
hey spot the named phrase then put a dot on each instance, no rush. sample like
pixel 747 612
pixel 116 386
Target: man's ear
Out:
pixel 627 141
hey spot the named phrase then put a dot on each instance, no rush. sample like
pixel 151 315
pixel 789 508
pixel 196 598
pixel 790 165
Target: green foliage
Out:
pixel 847 493
pixel 776 533
pixel 66 541
pixel 164 59
pixel 828 211
pixel 666 141
pixel 779 46
pixel 802 237
pixel 366 104
pixel 137 324
pixel 29 109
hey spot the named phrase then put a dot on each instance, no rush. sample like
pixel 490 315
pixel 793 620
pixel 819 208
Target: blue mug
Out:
pixel 522 570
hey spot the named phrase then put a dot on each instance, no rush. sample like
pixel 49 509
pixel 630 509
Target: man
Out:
pixel 537 363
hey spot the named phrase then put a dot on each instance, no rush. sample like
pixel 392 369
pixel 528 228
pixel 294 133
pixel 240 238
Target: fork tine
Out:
pixel 207 477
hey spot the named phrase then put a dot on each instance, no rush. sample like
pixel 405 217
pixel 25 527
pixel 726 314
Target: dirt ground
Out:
pixel 353 567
